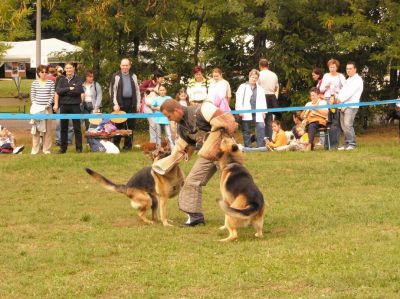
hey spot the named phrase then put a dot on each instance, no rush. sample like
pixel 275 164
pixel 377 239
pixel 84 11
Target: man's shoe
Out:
pixel 79 151
pixel 195 222
pixel 61 152
pixel 350 148
pixel 341 148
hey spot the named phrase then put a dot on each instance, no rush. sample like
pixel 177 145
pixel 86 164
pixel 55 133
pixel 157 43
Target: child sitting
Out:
pixel 299 144
pixel 8 142
pixel 279 139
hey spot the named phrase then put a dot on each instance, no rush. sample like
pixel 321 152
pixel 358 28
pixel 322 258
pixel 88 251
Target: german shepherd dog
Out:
pixel 242 201
pixel 148 189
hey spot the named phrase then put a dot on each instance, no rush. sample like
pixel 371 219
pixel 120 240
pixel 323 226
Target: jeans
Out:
pixel 167 130
pixel 312 129
pixel 347 117
pixel 260 130
pixel 253 150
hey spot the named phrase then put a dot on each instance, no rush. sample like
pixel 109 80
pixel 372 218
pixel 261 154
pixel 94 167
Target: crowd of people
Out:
pixel 58 90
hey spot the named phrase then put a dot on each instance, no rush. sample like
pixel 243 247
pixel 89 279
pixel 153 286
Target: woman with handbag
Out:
pixel 92 97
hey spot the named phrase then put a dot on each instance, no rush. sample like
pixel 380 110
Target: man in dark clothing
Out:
pixel 69 90
pixel 125 96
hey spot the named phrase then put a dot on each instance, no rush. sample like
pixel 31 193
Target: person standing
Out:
pixel 69 90
pixel 125 96
pixel 92 96
pixel 197 88
pixel 269 82
pixel 42 95
pixel 194 121
pixel 219 91
pixel 161 121
pixel 250 96
pixel 350 93
pixel 149 88
pixel 330 86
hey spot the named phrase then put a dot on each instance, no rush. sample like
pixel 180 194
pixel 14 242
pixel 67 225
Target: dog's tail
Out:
pixel 106 182
pixel 243 214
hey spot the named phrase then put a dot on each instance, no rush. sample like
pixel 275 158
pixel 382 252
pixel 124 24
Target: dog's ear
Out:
pixel 235 148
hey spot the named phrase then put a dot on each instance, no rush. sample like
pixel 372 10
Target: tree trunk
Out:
pixel 200 21
pixel 394 83
pixel 136 44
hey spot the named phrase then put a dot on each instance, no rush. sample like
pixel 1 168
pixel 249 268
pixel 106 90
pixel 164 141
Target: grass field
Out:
pixel 332 229
pixel 8 89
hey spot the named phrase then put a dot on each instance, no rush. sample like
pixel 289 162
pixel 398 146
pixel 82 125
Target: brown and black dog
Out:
pixel 242 201
pixel 148 189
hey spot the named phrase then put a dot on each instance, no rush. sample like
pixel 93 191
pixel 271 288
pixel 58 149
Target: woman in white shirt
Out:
pixel 42 95
pixel 197 87
pixel 331 84
pixel 219 91
pixel 250 96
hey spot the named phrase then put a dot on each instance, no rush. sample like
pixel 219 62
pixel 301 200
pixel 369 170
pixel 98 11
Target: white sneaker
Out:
pixel 47 152
pixel 342 148
pixel 350 148
pixel 18 149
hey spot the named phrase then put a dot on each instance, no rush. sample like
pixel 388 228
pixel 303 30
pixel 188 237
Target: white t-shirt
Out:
pixel 268 80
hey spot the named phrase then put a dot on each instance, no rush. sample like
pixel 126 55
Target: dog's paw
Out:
pixel 222 227
pixel 228 239
pixel 166 223
pixel 258 235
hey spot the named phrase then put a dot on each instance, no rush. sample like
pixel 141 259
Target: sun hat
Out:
pixel 95 121
pixel 118 120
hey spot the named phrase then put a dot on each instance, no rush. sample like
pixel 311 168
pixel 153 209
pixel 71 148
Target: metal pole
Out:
pixel 38 32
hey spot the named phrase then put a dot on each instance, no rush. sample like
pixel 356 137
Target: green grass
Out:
pixel 8 89
pixel 332 229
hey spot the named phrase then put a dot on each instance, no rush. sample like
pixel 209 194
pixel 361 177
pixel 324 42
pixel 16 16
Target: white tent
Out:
pixel 25 52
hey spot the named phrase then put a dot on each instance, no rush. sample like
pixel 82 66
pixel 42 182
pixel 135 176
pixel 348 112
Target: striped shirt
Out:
pixel 42 95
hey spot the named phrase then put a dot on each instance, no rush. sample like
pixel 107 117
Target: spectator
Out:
pixel 192 122
pixel 317 77
pixel 8 143
pixel 51 73
pixel 197 88
pixel 125 96
pixel 182 97
pixel 269 82
pixel 331 84
pixel 42 96
pixel 250 96
pixel 60 72
pixel 350 93
pixel 278 140
pixel 219 91
pixel 297 122
pixel 161 121
pixel 92 96
pixel 314 119
pixel 149 89
pixel 298 144
pixel 69 90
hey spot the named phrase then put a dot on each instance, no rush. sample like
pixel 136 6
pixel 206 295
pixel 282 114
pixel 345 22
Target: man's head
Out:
pixel 172 110
pixel 125 66
pixel 351 68
pixel 314 94
pixel 69 69
pixel 51 69
pixel 263 64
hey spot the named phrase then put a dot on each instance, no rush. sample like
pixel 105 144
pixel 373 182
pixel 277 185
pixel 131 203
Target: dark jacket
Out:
pixel 116 90
pixel 193 124
pixel 68 96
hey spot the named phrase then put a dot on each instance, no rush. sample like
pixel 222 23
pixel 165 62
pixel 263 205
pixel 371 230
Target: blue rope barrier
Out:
pixel 151 115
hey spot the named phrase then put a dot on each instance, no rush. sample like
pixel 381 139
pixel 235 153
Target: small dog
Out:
pixel 242 201
pixel 146 189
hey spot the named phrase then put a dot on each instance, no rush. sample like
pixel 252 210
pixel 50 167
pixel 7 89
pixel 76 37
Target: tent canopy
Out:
pixel 25 51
